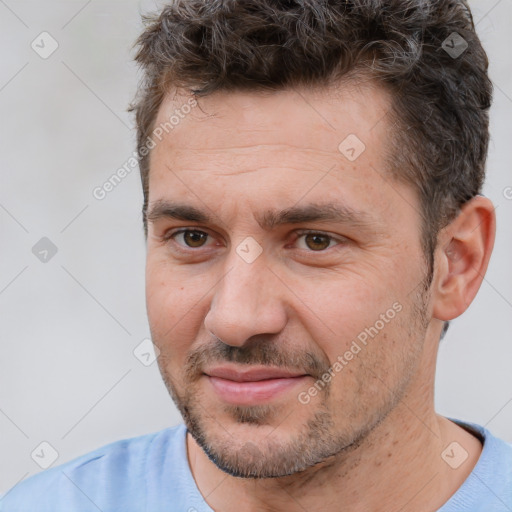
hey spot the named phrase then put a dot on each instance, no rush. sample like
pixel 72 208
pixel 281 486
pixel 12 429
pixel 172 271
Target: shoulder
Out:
pixel 496 452
pixel 488 488
pixel 112 474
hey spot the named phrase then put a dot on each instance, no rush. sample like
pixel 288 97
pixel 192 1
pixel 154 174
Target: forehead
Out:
pixel 304 118
pixel 240 154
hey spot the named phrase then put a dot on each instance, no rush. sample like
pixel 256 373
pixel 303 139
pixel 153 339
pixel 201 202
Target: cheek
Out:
pixel 336 309
pixel 175 307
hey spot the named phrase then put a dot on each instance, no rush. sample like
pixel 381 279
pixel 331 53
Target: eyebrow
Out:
pixel 324 212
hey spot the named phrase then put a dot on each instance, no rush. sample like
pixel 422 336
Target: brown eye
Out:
pixel 194 238
pixel 317 242
pixel 191 238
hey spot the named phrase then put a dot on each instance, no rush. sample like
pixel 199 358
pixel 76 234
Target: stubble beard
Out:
pixel 318 439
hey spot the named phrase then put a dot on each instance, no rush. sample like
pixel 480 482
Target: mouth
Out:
pixel 252 386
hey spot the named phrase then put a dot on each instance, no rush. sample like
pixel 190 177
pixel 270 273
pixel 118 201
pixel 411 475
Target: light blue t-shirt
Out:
pixel 150 473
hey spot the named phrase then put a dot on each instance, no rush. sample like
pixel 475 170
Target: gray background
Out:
pixel 68 375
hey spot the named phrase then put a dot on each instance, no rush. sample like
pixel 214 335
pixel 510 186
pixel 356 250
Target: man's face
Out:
pixel 285 335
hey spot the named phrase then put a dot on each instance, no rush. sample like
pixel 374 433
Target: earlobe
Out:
pixel 462 257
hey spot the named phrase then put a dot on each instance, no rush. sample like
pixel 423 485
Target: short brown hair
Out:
pixel 440 100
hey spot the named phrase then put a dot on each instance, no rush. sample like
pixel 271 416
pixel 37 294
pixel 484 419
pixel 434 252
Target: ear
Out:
pixel 462 256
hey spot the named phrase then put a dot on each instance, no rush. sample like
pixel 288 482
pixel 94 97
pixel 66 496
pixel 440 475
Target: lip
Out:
pixel 252 385
pixel 252 374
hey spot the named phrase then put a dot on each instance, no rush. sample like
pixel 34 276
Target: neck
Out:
pixel 397 467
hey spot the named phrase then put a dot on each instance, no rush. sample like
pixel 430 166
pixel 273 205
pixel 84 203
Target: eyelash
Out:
pixel 172 234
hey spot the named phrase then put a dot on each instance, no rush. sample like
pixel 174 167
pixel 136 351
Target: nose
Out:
pixel 249 300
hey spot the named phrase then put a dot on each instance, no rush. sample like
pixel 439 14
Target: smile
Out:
pixel 252 386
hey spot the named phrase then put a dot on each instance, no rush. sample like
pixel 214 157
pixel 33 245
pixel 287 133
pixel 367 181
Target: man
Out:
pixel 312 174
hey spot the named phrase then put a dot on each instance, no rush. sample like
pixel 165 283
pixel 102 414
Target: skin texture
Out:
pixel 370 439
